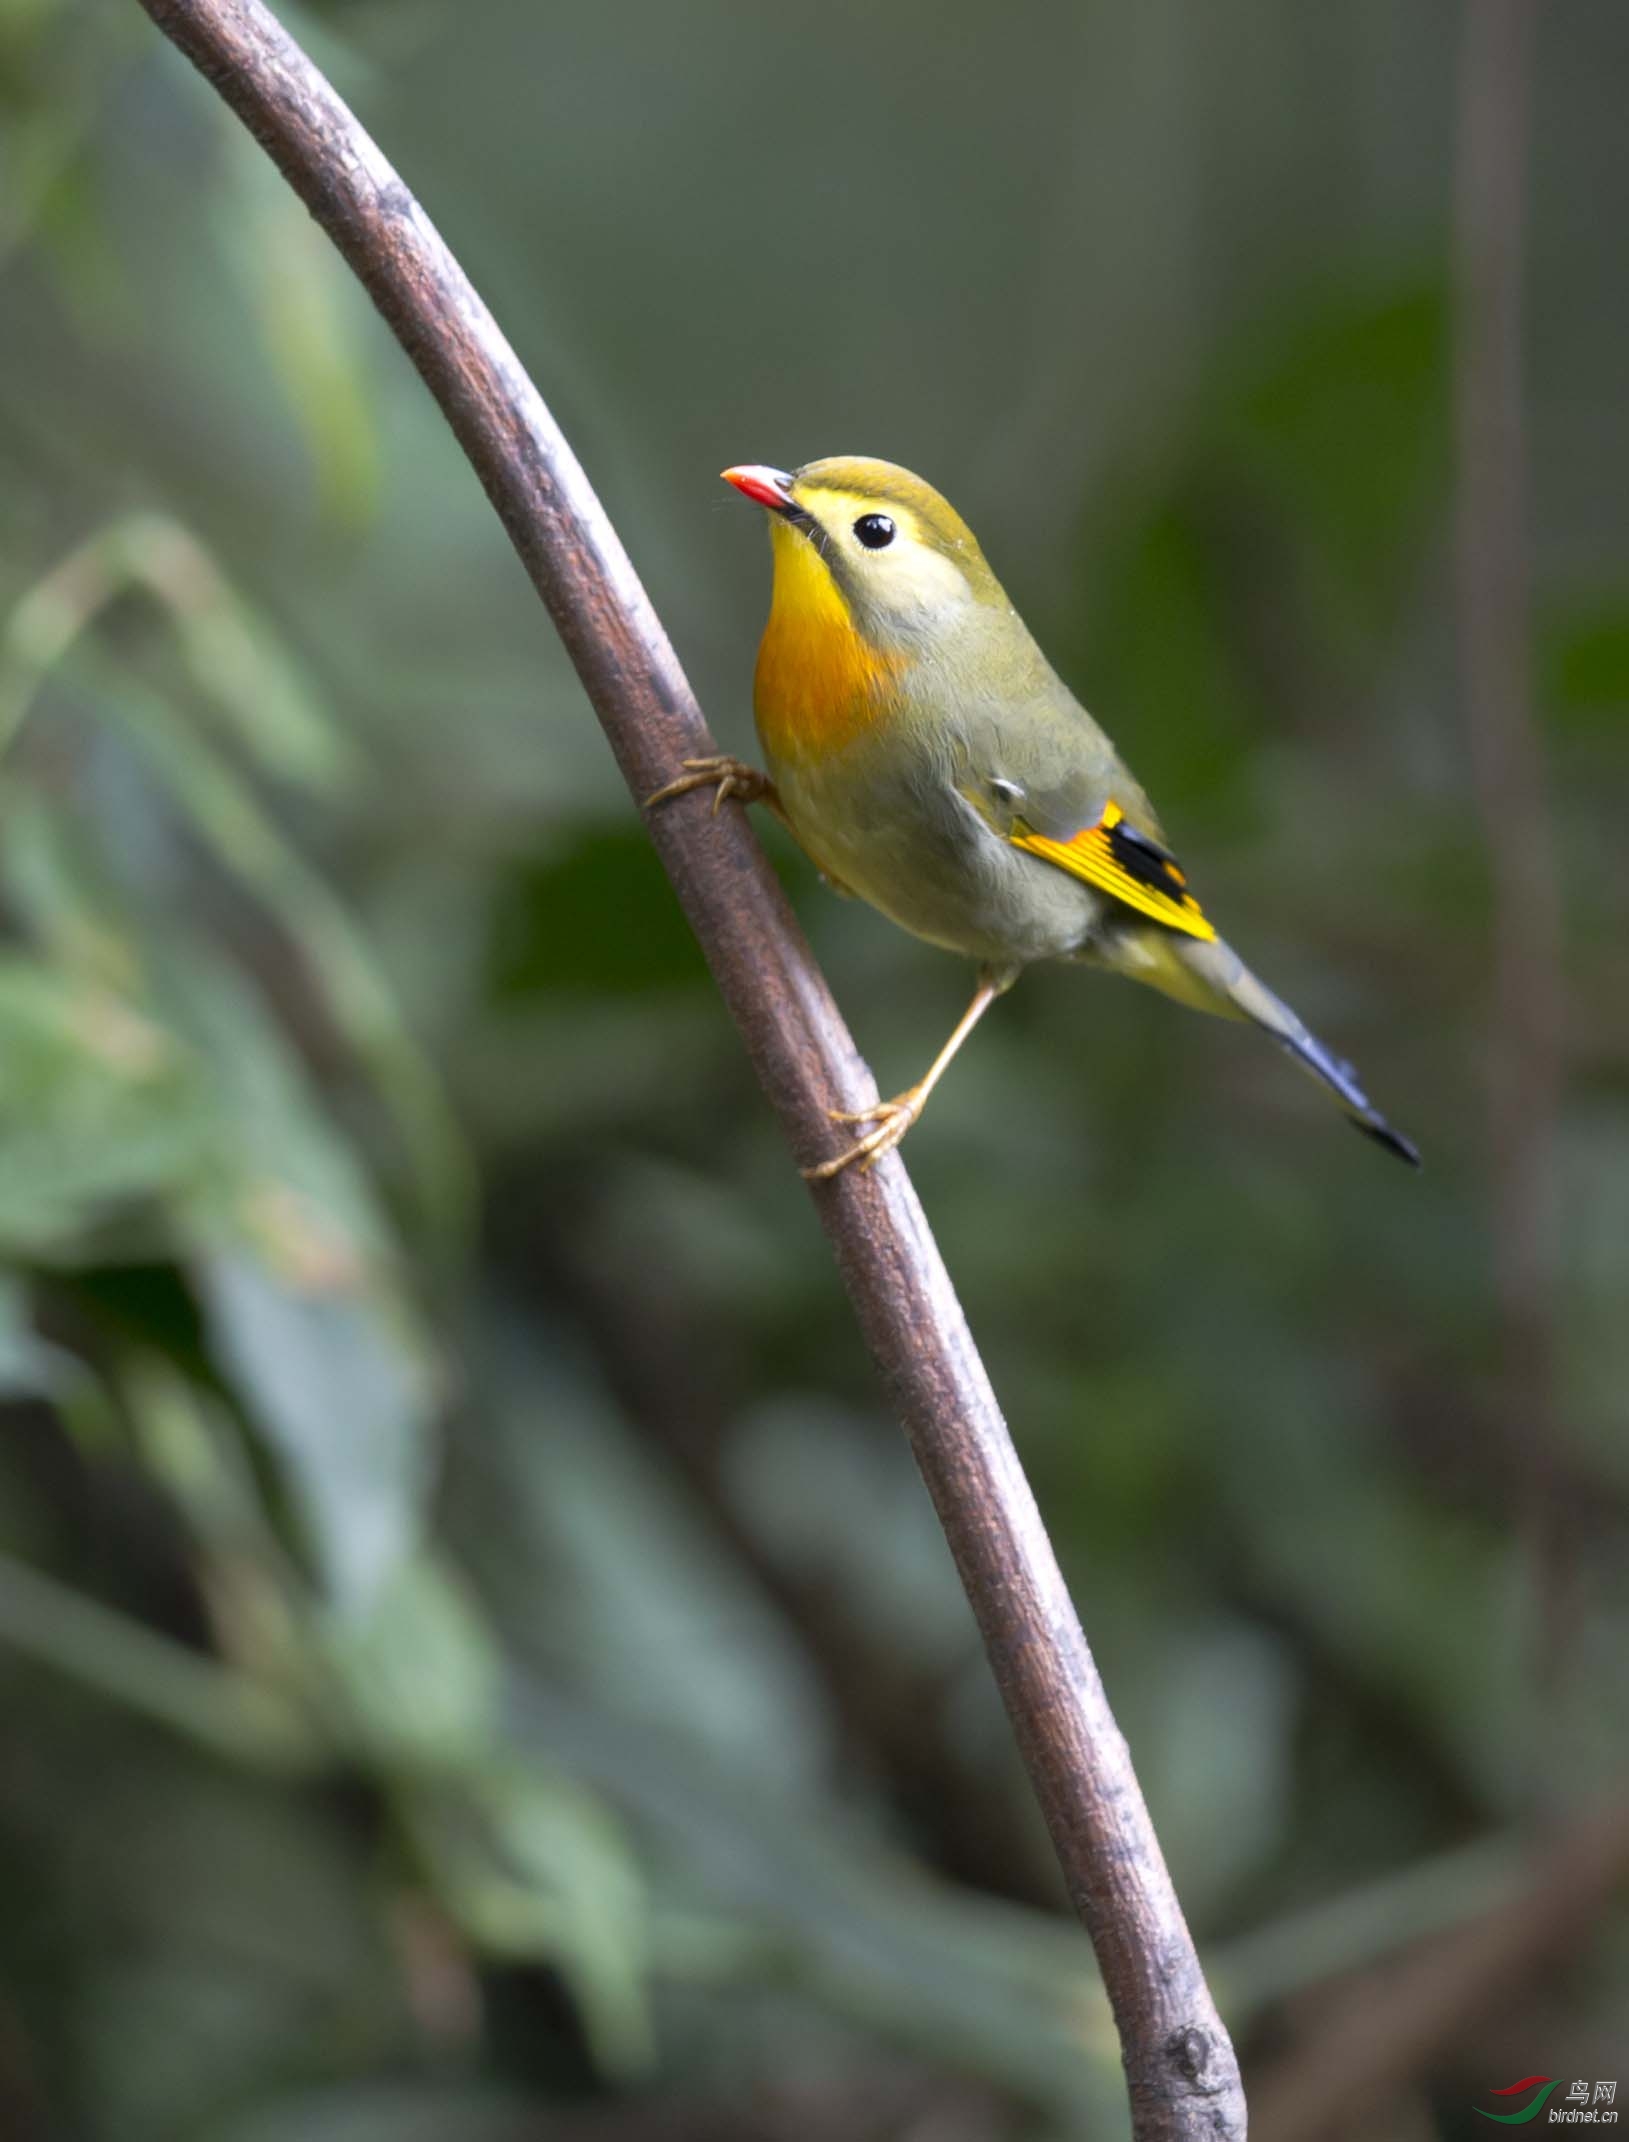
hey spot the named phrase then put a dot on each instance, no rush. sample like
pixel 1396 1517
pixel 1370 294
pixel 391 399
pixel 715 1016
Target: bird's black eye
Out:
pixel 875 530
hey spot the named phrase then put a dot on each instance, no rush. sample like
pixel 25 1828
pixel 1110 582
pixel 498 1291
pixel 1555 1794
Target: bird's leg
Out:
pixel 894 1118
pixel 726 777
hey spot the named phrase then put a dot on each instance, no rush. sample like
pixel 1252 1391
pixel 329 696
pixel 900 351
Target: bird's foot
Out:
pixel 726 777
pixel 892 1119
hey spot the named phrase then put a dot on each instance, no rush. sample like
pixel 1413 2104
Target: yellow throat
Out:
pixel 819 682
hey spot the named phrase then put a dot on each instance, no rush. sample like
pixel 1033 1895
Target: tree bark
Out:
pixel 1181 2074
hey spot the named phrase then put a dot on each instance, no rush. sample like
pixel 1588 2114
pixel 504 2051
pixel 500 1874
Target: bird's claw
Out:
pixel 892 1119
pixel 726 776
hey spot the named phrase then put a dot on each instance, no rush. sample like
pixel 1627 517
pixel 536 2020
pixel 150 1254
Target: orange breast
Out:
pixel 818 683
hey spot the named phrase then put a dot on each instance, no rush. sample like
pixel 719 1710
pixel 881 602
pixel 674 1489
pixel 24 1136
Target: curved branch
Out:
pixel 1180 2068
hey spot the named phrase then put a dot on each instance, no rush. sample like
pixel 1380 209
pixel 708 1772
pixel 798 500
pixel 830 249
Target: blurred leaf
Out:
pixel 256 1599
pixel 419 1671
pixel 638 1599
pixel 283 1176
pixel 17 1369
pixel 533 1866
pixel 119 1659
pixel 235 659
pixel 97 1107
pixel 227 815
pixel 999 1991
pixel 33 1367
pixel 188 1448
pixel 51 86
pixel 51 876
pixel 332 1382
pixel 312 317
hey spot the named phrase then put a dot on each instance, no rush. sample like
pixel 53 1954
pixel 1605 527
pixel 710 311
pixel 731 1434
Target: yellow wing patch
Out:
pixel 1094 855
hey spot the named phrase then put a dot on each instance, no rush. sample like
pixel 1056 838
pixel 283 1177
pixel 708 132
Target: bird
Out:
pixel 925 754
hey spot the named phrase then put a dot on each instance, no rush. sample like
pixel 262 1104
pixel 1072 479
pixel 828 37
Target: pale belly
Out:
pixel 922 855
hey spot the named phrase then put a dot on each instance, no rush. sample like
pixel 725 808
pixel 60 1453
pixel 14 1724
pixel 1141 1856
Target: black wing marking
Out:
pixel 1145 860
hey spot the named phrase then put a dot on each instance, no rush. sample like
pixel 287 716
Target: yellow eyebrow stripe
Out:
pixel 1088 856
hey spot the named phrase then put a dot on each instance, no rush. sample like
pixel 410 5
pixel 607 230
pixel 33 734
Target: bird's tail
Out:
pixel 1210 975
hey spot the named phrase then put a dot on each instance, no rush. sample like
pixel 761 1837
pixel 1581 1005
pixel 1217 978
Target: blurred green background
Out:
pixel 476 1659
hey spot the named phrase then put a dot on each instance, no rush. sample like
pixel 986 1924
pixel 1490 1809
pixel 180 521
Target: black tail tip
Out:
pixel 1377 1128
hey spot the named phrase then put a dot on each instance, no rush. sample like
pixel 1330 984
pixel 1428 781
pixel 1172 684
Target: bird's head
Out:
pixel 865 546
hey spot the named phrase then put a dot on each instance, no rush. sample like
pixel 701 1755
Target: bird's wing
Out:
pixel 1115 857
pixel 1047 779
